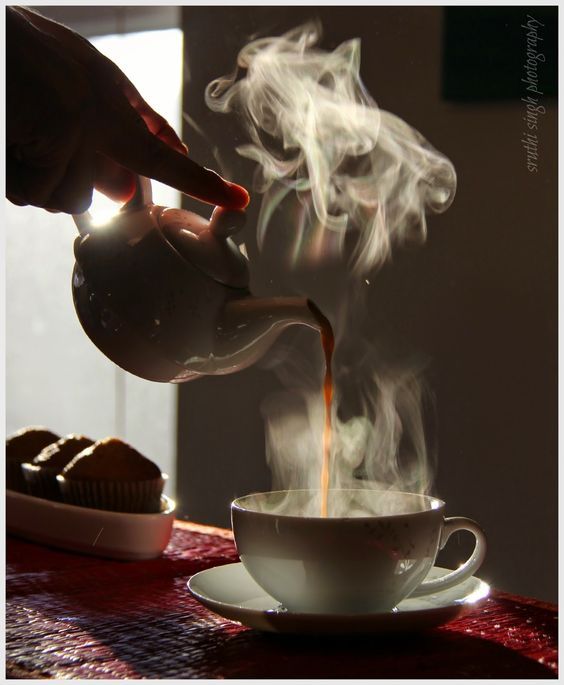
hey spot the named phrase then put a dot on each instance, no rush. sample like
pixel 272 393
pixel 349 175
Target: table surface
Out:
pixel 74 616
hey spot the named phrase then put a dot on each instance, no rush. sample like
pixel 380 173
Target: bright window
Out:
pixel 54 375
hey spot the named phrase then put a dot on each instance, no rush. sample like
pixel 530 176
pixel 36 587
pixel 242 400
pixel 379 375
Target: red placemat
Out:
pixel 73 616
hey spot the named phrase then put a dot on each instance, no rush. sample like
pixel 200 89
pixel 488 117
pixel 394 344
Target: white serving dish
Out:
pixel 98 532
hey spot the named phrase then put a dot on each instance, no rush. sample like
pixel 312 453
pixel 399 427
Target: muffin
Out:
pixel 113 475
pixel 23 446
pixel 41 473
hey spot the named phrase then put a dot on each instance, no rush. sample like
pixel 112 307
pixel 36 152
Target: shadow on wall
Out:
pixel 478 299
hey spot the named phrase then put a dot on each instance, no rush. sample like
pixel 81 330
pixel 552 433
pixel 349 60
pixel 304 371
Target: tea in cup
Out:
pixel 372 550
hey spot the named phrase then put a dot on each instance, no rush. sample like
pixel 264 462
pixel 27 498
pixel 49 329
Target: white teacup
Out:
pixel 373 550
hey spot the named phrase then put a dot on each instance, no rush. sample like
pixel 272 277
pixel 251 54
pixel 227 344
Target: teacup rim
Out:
pixel 236 505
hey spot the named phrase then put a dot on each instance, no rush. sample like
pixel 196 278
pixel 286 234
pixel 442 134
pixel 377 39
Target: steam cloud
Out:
pixel 381 446
pixel 317 131
pixel 319 138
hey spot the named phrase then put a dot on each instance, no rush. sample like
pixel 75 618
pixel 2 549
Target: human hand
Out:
pixel 74 122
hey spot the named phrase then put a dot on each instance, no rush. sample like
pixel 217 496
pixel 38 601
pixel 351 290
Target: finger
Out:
pixel 16 199
pixel 41 164
pixel 73 195
pixel 156 123
pixel 115 86
pixel 23 184
pixel 14 188
pixel 115 181
pixel 124 137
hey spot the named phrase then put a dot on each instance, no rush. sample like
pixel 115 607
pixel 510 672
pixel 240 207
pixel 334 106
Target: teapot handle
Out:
pixel 142 195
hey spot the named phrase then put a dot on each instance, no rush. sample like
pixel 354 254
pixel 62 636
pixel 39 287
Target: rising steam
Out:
pixel 320 140
pixel 381 446
pixel 315 130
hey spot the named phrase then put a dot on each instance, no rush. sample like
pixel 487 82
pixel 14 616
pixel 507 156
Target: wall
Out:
pixel 478 300
pixel 100 20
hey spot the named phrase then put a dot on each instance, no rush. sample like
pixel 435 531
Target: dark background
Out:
pixel 483 52
pixel 478 300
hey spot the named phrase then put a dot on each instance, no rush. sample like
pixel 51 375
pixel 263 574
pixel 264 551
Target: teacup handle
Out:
pixel 450 526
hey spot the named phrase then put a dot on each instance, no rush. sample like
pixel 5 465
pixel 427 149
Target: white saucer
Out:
pixel 110 534
pixel 231 592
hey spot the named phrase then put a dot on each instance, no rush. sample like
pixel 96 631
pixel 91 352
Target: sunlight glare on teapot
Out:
pixel 102 209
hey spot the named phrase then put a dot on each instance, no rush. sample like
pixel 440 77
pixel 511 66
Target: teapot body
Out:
pixel 164 294
pixel 145 307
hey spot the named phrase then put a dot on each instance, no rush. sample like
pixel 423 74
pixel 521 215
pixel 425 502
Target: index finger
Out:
pixel 124 137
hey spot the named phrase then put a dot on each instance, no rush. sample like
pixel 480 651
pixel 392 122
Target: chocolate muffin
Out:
pixel 23 446
pixel 113 475
pixel 41 474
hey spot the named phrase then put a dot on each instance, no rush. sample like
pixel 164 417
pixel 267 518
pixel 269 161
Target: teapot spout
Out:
pixel 250 325
pixel 275 312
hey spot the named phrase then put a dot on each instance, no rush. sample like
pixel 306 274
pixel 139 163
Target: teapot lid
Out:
pixel 207 244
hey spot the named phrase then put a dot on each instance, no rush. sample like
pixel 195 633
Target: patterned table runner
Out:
pixel 73 616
